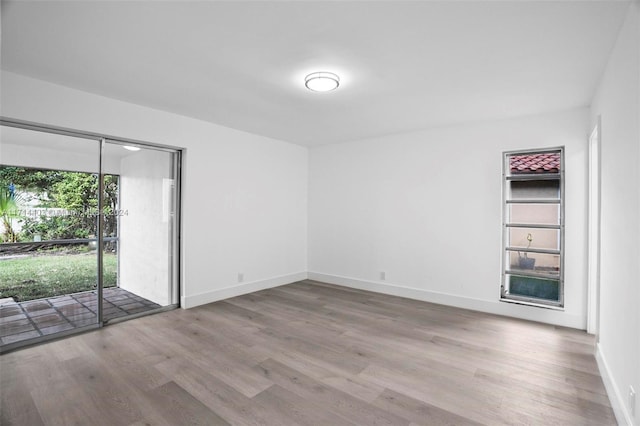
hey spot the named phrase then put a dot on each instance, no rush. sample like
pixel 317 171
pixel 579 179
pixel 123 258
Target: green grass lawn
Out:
pixel 36 277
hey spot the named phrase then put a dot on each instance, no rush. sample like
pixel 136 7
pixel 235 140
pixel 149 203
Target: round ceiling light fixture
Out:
pixel 322 81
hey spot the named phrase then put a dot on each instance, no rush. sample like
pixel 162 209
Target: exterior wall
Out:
pixel 143 261
pixel 541 238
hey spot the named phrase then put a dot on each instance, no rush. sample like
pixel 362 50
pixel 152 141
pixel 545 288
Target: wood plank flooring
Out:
pixel 309 354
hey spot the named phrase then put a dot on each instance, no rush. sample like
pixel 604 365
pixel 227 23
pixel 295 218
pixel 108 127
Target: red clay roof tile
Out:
pixel 548 162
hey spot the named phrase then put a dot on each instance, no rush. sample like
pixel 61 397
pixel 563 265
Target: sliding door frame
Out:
pixel 176 246
pixel 175 251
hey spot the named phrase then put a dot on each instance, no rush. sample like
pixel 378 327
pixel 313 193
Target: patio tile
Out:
pixel 114 298
pixel 5 320
pixel 56 328
pixel 60 298
pixel 15 327
pixel 9 310
pixel 42 312
pixel 49 320
pixel 79 317
pixel 114 312
pixel 84 322
pixel 82 316
pixel 107 305
pixel 64 302
pixel 130 306
pixel 36 306
pixel 86 297
pixel 138 298
pixel 115 315
pixel 19 337
pixel 72 309
pixel 138 310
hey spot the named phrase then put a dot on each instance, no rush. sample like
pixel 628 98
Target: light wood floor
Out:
pixel 309 353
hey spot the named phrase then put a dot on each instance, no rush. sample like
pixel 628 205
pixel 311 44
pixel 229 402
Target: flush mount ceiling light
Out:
pixel 322 81
pixel 131 148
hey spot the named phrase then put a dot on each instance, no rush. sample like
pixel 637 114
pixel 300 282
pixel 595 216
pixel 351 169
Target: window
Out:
pixel 533 227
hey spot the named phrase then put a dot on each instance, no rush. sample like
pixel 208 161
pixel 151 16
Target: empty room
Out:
pixel 320 212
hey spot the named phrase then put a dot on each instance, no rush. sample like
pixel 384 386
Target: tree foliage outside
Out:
pixel 53 205
pixel 8 212
pixel 32 180
pixel 74 192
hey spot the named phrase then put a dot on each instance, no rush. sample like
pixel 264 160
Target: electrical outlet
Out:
pixel 632 401
pixel 383 275
pixel 240 277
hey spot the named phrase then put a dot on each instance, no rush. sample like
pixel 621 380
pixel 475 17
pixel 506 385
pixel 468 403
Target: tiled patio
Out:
pixel 35 318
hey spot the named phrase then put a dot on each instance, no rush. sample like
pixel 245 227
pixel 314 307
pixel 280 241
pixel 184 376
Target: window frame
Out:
pixel 507 178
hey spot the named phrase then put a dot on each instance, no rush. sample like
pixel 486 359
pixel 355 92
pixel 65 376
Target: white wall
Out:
pixel 244 196
pixel 426 208
pixel 617 101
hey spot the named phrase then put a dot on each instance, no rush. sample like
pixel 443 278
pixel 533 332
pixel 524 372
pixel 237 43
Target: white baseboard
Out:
pixel 240 289
pixel 548 316
pixel 623 416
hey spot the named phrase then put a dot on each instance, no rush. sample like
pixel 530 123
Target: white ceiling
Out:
pixel 404 65
pixel 61 144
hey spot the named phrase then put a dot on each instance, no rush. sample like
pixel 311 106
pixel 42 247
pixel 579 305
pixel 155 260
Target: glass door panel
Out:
pixel 48 246
pixel 139 229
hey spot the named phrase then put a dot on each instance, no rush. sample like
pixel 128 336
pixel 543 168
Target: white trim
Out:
pixel 593 243
pixel 623 416
pixel 240 289
pixel 531 313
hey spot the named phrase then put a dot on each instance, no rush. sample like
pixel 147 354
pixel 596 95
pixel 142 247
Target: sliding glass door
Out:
pixel 48 256
pixel 140 229
pixel 88 231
